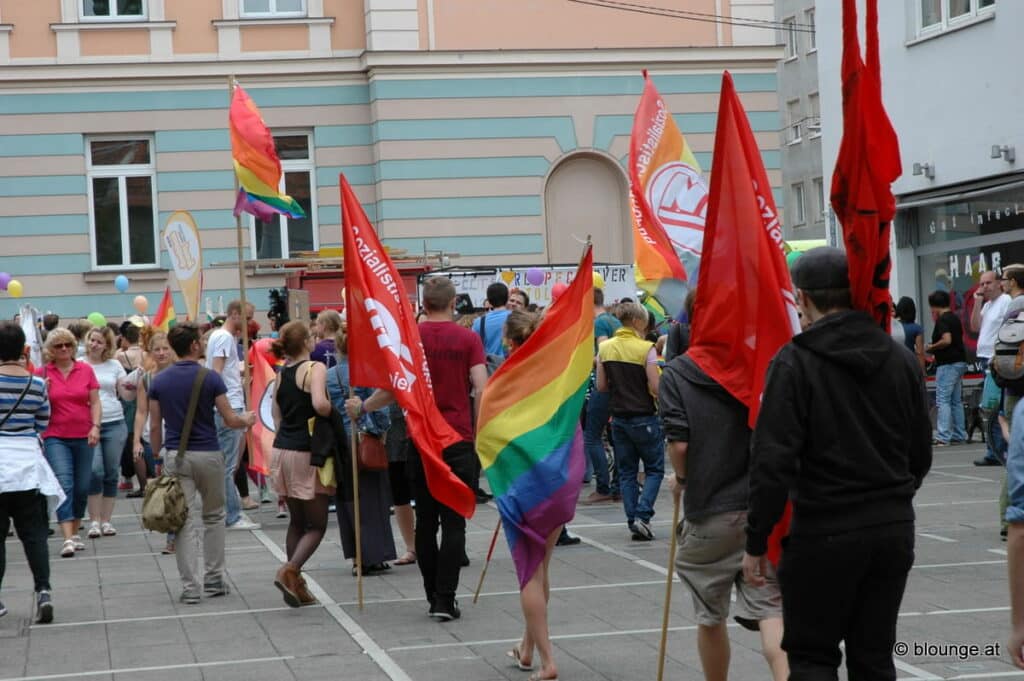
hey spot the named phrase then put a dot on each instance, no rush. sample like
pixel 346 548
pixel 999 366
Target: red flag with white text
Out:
pixel 745 309
pixel 385 350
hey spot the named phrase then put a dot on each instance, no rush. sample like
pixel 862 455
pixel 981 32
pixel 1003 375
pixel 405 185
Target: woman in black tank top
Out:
pixel 300 393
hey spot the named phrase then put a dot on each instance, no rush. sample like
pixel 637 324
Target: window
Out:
pixel 814 118
pixel 795 118
pixel 940 15
pixel 283 236
pixel 789 30
pixel 122 203
pixel 121 10
pixel 798 204
pixel 819 192
pixel 809 21
pixel 273 8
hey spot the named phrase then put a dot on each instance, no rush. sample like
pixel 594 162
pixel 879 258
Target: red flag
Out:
pixel 261 437
pixel 867 165
pixel 385 350
pixel 745 309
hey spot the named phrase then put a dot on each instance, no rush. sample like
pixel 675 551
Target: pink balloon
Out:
pixel 558 289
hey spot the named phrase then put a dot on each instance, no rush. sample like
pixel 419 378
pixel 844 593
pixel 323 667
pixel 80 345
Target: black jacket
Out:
pixel 843 432
pixel 697 410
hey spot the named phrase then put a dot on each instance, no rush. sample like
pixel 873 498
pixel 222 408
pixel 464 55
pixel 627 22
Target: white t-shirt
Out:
pixel 992 314
pixel 108 373
pixel 223 344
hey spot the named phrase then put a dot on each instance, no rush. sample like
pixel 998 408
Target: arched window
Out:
pixel 586 193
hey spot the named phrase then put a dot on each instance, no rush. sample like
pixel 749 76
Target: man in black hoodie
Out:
pixel 844 433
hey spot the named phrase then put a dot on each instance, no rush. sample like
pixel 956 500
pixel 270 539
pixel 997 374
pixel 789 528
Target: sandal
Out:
pixel 68 550
pixel 408 559
pixel 519 664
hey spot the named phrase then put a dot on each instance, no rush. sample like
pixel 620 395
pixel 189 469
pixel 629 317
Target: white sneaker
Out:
pixel 244 523
pixel 94 530
pixel 77 542
pixel 108 530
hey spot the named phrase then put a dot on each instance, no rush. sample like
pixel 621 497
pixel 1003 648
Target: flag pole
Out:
pixel 490 552
pixel 357 520
pixel 668 590
pixel 241 271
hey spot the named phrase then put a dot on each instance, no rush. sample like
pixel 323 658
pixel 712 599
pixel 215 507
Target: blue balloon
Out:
pixel 121 283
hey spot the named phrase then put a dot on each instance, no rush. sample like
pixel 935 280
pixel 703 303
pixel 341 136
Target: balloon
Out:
pixel 598 280
pixel 535 276
pixel 97 319
pixel 4 280
pixel 14 288
pixel 792 257
pixel 121 283
pixel 141 304
pixel 558 289
pixel 508 276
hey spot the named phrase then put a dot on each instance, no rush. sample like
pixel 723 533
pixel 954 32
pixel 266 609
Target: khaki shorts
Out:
pixel 709 561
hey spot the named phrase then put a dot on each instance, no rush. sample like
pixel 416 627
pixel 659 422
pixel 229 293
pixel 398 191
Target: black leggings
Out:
pixel 242 474
pixel 28 511
pixel 307 523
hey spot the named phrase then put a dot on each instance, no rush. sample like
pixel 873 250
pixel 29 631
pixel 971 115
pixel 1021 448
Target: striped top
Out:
pixel 32 415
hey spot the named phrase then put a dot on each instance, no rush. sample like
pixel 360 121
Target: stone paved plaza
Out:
pixel 118 617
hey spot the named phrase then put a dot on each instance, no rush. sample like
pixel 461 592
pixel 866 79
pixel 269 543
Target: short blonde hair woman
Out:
pixel 327 325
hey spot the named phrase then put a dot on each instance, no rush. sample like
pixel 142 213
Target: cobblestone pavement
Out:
pixel 118 617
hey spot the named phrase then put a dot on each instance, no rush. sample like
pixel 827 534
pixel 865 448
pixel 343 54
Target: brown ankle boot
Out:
pixel 287 580
pixel 302 591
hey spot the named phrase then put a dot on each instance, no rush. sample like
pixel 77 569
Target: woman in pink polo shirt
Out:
pixel 74 430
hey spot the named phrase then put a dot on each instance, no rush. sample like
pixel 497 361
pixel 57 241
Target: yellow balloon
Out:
pixel 598 280
pixel 14 288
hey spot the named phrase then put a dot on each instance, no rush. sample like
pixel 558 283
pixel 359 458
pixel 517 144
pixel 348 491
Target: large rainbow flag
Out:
pixel 529 438
pixel 256 164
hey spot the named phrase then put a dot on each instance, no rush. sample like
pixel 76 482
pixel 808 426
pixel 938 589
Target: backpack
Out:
pixel 163 507
pixel 1008 360
pixel 492 362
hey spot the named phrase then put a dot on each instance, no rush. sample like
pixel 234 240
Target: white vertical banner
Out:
pixel 181 239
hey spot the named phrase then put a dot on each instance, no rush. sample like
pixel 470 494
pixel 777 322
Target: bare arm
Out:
pixel 274 409
pixel 141 414
pixel 96 412
pixel 156 430
pixel 653 373
pixel 975 321
pixel 478 379
pixel 218 364
pixel 919 351
pixel 944 342
pixel 378 400
pixel 231 419
pixel 318 389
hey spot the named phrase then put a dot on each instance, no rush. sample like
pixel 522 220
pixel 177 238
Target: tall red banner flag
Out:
pixel 745 309
pixel 385 350
pixel 261 395
pixel 867 165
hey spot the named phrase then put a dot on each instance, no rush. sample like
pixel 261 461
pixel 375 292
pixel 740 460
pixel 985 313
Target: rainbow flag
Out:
pixel 256 164
pixel 529 439
pixel 165 317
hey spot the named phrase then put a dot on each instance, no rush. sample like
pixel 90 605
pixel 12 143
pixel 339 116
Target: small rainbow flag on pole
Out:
pixel 256 164
pixel 165 317
pixel 529 440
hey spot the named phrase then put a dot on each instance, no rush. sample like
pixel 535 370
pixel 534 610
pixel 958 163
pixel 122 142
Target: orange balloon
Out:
pixel 141 304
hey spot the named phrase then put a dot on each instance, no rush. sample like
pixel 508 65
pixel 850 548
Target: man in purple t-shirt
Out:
pixel 201 469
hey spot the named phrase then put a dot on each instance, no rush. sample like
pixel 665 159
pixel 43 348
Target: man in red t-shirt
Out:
pixel 455 357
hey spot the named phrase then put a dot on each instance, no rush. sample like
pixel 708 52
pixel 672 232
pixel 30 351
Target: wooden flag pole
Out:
pixel 241 272
pixel 354 451
pixel 668 590
pixel 490 552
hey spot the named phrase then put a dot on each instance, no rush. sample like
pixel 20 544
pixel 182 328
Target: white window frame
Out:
pixel 795 123
pixel 813 117
pixel 811 27
pixel 790 39
pixel 114 16
pixel 273 11
pixel 946 22
pixel 293 166
pixel 121 172
pixel 799 205
pixel 819 188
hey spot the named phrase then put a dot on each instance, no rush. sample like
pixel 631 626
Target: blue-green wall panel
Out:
pixel 610 126
pixel 456 207
pixel 331 215
pixel 47 185
pixel 59 263
pixel 205 219
pixel 453 168
pixel 502 244
pixel 342 136
pixel 42 145
pixel 44 225
pixel 195 180
pixel 327 176
pixel 559 127
pixel 216 139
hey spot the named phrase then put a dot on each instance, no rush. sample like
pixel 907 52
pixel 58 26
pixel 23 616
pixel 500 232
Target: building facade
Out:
pixel 803 183
pixel 961 196
pixel 490 130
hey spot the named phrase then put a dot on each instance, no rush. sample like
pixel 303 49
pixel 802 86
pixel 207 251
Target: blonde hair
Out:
pixel 329 322
pixel 631 312
pixel 58 335
pixel 520 325
pixel 108 340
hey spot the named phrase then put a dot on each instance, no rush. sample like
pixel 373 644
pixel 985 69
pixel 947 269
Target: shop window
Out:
pixel 283 236
pixel 122 203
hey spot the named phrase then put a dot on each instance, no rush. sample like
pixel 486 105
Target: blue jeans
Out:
pixel 593 445
pixel 106 458
pixel 949 382
pixel 230 441
pixel 1014 512
pixel 71 461
pixel 637 439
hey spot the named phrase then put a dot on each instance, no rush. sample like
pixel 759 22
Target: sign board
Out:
pixel 298 304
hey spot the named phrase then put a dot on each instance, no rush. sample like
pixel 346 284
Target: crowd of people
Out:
pixel 845 423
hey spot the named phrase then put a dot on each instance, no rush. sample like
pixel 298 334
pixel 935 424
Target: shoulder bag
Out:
pixel 164 507
pixel 371 452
